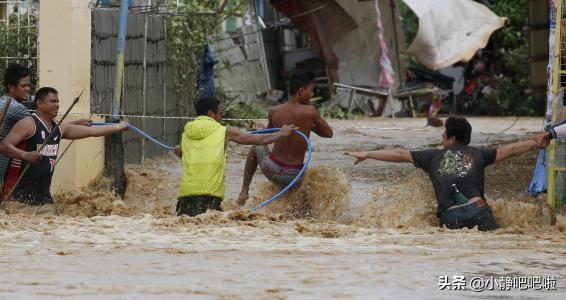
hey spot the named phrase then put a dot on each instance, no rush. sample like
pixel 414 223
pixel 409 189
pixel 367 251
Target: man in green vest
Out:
pixel 203 152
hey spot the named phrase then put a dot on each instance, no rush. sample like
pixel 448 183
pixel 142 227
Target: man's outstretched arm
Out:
pixel 245 138
pixel 395 155
pixel 519 148
pixel 555 132
pixel 75 132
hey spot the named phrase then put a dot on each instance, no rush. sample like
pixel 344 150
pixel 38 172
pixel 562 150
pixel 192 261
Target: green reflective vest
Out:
pixel 204 158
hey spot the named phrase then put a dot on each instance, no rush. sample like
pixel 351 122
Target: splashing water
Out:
pixel 322 195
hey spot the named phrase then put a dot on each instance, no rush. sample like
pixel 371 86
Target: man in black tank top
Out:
pixel 24 145
pixel 33 188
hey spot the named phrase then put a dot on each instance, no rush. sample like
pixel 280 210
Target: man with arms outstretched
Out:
pixel 457 172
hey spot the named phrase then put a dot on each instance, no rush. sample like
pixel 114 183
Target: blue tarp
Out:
pixel 538 183
pixel 539 180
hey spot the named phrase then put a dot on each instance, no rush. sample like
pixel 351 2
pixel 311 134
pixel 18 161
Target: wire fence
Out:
pixel 335 126
pixel 19 20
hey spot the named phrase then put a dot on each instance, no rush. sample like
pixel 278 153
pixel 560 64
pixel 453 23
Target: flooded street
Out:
pixel 372 232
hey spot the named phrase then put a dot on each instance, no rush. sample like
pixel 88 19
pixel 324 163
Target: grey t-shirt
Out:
pixel 461 165
pixel 16 112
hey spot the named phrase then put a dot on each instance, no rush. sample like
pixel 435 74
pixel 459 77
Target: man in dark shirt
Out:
pixel 26 144
pixel 17 85
pixel 458 168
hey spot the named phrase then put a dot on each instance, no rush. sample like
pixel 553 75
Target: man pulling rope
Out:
pixel 34 142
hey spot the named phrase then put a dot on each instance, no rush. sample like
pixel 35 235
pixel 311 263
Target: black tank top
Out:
pixel 34 187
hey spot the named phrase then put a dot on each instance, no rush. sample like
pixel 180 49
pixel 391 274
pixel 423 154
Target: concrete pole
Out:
pixel 114 161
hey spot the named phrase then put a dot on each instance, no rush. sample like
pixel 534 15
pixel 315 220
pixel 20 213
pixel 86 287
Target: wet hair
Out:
pixel 299 80
pixel 206 104
pixel 459 128
pixel 13 74
pixel 42 93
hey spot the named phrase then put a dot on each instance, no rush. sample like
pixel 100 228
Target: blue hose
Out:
pixel 140 132
pixel 269 130
pixel 301 173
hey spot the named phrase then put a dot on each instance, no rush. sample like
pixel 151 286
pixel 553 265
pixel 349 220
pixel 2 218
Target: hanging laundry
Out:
pixel 206 76
pixel 386 77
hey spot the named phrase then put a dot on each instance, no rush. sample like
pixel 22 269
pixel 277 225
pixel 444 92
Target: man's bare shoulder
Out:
pixel 309 108
pixel 276 108
pixel 308 111
pixel 301 111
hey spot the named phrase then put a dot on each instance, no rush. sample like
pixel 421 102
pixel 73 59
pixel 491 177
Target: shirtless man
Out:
pixel 285 162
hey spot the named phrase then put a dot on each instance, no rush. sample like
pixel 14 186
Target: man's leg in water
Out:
pixel 485 219
pixel 196 205
pixel 249 171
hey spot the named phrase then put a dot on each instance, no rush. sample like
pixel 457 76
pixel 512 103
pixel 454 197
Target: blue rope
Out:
pixel 269 130
pixel 140 132
pixel 299 176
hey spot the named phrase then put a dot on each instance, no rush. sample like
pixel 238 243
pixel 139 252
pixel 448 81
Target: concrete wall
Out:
pixel 240 72
pixel 64 63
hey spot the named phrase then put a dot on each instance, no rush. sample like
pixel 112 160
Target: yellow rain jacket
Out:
pixel 204 158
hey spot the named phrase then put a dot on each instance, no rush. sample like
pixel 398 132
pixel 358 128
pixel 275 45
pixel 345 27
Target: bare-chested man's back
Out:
pixel 284 163
pixel 291 150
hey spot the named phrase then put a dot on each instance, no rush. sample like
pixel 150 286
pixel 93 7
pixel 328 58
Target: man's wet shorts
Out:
pixel 276 171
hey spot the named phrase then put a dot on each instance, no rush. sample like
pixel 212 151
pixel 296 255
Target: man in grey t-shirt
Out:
pixel 17 84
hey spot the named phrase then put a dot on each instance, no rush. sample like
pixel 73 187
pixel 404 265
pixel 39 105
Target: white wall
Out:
pixel 64 63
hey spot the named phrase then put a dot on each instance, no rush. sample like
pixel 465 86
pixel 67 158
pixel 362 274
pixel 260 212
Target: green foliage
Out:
pixel 410 22
pixel 243 111
pixel 187 32
pixel 333 111
pixel 511 52
pixel 18 43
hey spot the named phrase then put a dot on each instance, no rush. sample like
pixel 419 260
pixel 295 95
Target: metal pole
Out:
pixel 116 104
pixel 262 46
pixel 165 73
pixel 552 198
pixel 396 39
pixel 144 83
pixel 7 31
pixel 114 161
pixel 454 103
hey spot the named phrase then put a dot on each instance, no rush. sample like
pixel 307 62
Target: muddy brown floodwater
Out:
pixel 351 232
